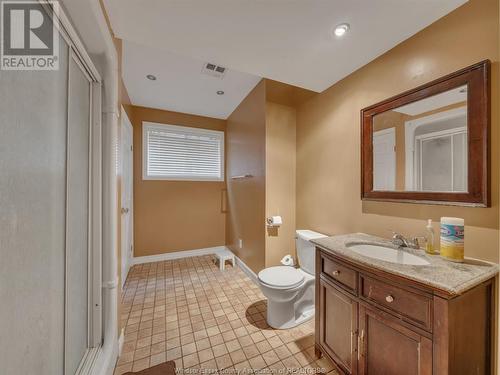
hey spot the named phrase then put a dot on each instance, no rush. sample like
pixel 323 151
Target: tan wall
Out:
pixel 245 150
pixel 174 215
pixel 328 133
pixel 280 180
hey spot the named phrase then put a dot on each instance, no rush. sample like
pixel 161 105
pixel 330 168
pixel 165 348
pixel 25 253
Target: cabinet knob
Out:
pixel 389 298
pixel 336 273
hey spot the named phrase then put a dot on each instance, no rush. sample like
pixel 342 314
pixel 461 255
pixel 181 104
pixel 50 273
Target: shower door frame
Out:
pixel 78 53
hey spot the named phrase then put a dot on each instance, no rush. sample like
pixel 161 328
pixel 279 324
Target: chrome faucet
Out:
pixel 401 241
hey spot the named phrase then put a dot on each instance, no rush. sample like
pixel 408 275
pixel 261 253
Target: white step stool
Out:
pixel 222 256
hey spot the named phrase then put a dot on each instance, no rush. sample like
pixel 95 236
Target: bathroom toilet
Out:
pixel 289 290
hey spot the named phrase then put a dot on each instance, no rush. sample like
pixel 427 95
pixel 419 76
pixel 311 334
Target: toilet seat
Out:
pixel 281 277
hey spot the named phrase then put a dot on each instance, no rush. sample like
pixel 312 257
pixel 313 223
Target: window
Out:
pixel 173 152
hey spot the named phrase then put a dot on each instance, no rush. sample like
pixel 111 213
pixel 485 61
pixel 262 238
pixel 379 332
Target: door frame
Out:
pixel 391 132
pixel 126 257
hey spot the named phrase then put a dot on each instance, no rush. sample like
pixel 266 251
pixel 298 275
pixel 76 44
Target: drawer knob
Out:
pixel 336 273
pixel 389 298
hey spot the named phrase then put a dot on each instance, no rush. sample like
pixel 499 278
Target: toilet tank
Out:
pixel 306 250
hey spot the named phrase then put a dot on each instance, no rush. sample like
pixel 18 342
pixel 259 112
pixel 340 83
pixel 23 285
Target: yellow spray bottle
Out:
pixel 429 246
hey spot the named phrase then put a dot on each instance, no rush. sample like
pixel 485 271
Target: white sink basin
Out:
pixel 388 254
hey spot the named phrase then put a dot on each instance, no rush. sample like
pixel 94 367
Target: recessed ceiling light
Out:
pixel 151 77
pixel 220 92
pixel 341 29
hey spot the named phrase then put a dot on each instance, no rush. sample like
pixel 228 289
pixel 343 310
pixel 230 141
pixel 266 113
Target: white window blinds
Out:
pixel 173 152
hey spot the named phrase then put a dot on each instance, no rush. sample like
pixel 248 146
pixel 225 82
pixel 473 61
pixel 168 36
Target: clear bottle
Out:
pixel 429 246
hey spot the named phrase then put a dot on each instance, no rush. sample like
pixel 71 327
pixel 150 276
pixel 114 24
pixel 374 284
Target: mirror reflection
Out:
pixel 422 146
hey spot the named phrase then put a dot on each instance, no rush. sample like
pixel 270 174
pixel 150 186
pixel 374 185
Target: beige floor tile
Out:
pixel 205 355
pixel 158 338
pixel 188 311
pixel 209 367
pixel 283 352
pixel 216 340
pixel 274 341
pixel 238 356
pixel 174 353
pixel 119 370
pixel 219 350
pixel 189 349
pixel 142 352
pixel 223 361
pixel 202 344
pixel 158 358
pixel 159 347
pixel 126 358
pixel 263 346
pixel 233 345
pixel 173 343
pixel 251 351
pixel 270 357
pixel 190 360
pixel 291 363
pixel 257 363
pixel 140 364
pixel 141 343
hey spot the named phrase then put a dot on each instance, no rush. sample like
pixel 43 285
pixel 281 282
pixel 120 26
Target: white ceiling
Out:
pixel 286 40
pixel 180 85
pixel 454 96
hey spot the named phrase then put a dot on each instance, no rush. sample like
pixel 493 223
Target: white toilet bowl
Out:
pixel 290 296
pixel 290 291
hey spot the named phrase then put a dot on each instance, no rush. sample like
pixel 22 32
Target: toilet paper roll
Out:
pixel 274 221
pixel 287 260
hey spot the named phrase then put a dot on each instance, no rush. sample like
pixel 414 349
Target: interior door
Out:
pixel 384 159
pixel 388 348
pixel 127 216
pixel 338 327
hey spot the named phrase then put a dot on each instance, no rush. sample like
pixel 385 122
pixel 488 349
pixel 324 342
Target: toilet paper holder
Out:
pixel 274 221
pixel 287 260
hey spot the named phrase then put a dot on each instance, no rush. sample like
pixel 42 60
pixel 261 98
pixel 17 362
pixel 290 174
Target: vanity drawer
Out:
pixel 340 273
pixel 414 307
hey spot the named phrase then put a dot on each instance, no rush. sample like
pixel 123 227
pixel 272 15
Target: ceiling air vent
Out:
pixel 214 70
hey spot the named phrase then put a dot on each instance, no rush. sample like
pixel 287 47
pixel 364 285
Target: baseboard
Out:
pixel 121 340
pixel 176 255
pixel 248 271
pixel 194 253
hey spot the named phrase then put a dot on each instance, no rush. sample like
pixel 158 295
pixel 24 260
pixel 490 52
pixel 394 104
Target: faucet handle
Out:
pixel 394 233
pixel 398 239
pixel 415 241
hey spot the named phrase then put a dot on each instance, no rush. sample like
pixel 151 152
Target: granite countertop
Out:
pixel 452 278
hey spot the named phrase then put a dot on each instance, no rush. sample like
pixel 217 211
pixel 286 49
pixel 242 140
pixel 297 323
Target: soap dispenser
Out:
pixel 429 246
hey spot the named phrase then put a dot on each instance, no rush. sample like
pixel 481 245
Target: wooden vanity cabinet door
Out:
pixel 338 314
pixel 388 348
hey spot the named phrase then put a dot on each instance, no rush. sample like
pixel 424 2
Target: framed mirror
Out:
pixel 430 144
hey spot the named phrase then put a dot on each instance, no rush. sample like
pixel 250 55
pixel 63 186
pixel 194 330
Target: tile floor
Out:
pixel 207 321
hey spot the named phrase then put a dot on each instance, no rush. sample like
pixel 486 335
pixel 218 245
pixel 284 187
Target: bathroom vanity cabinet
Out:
pixel 372 322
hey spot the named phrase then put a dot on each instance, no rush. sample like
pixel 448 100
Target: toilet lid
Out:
pixel 281 276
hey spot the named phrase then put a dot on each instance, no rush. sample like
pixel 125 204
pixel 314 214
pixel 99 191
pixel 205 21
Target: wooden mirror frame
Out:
pixel 477 79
